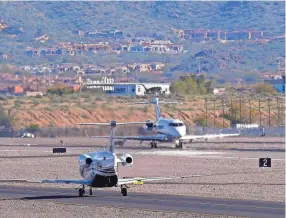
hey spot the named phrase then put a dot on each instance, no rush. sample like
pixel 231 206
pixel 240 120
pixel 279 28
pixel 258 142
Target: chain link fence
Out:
pixel 53 132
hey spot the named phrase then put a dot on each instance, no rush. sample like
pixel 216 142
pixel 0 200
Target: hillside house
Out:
pixel 203 34
pixel 115 34
pixel 15 90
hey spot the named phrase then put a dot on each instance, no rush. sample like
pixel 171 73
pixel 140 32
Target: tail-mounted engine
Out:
pixel 126 160
pixel 149 125
pixel 84 160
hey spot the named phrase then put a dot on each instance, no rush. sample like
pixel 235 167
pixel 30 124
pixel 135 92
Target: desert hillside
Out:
pixel 66 111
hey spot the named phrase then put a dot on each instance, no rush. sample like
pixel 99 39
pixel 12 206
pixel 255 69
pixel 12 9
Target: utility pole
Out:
pixel 214 111
pixel 222 113
pixel 278 112
pixel 235 118
pixel 206 115
pixel 269 111
pixel 240 110
pixel 259 112
pixel 250 118
pixel 231 108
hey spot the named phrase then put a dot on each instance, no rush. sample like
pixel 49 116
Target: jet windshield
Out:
pixel 176 124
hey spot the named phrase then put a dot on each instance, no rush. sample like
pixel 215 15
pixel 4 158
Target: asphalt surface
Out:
pixel 152 202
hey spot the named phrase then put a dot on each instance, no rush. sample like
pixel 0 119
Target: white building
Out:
pixel 129 88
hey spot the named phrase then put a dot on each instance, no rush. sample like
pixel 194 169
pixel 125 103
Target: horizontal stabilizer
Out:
pixel 108 124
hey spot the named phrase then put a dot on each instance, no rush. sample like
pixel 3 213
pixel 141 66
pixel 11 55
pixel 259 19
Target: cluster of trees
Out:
pixel 60 90
pixel 264 88
pixel 191 85
pixel 33 128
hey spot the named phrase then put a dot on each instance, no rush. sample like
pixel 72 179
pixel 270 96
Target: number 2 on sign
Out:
pixel 265 162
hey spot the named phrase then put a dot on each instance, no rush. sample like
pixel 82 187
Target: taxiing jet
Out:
pixel 168 130
pixel 100 169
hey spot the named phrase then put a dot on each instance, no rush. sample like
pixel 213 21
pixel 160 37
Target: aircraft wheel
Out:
pixel 80 192
pixel 179 145
pixel 124 191
pixel 153 144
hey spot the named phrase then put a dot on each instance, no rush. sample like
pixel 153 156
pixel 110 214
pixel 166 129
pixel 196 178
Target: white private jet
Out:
pixel 168 130
pixel 99 170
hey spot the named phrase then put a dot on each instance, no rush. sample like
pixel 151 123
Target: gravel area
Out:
pixel 238 178
pixel 34 209
pixel 226 169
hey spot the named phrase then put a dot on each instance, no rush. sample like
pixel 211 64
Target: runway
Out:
pixel 152 202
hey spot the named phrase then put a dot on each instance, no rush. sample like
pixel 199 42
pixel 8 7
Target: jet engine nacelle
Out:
pixel 127 160
pixel 149 125
pixel 84 160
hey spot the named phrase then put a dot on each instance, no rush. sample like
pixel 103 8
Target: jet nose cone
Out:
pixel 178 133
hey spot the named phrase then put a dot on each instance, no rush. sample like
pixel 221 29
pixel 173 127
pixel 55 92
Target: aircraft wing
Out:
pixel 59 181
pixel 159 137
pixel 141 180
pixel 63 181
pixel 108 124
pixel 190 137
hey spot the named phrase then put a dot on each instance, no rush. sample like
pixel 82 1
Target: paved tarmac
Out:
pixel 152 202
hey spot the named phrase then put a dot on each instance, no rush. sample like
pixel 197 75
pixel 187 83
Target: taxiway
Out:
pixel 153 202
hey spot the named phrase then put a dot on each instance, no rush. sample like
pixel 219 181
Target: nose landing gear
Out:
pixel 179 144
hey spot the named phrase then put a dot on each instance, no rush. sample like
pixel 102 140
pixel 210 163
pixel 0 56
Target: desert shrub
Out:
pixel 264 88
pixel 145 109
pixel 84 116
pixel 2 98
pixel 35 102
pixel 60 90
pixel 5 120
pixel 39 96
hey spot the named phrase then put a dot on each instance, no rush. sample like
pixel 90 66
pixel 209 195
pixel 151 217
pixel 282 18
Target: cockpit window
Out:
pixel 176 124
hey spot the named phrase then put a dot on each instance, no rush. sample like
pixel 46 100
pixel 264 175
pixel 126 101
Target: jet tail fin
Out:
pixel 155 101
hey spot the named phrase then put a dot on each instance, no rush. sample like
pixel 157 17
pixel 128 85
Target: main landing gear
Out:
pixel 81 191
pixel 179 145
pixel 123 189
pixel 153 144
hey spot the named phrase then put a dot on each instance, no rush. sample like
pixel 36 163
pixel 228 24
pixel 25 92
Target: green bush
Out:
pixel 32 128
pixel 191 85
pixel 60 90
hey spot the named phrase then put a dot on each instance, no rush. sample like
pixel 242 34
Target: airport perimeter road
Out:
pixel 152 202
